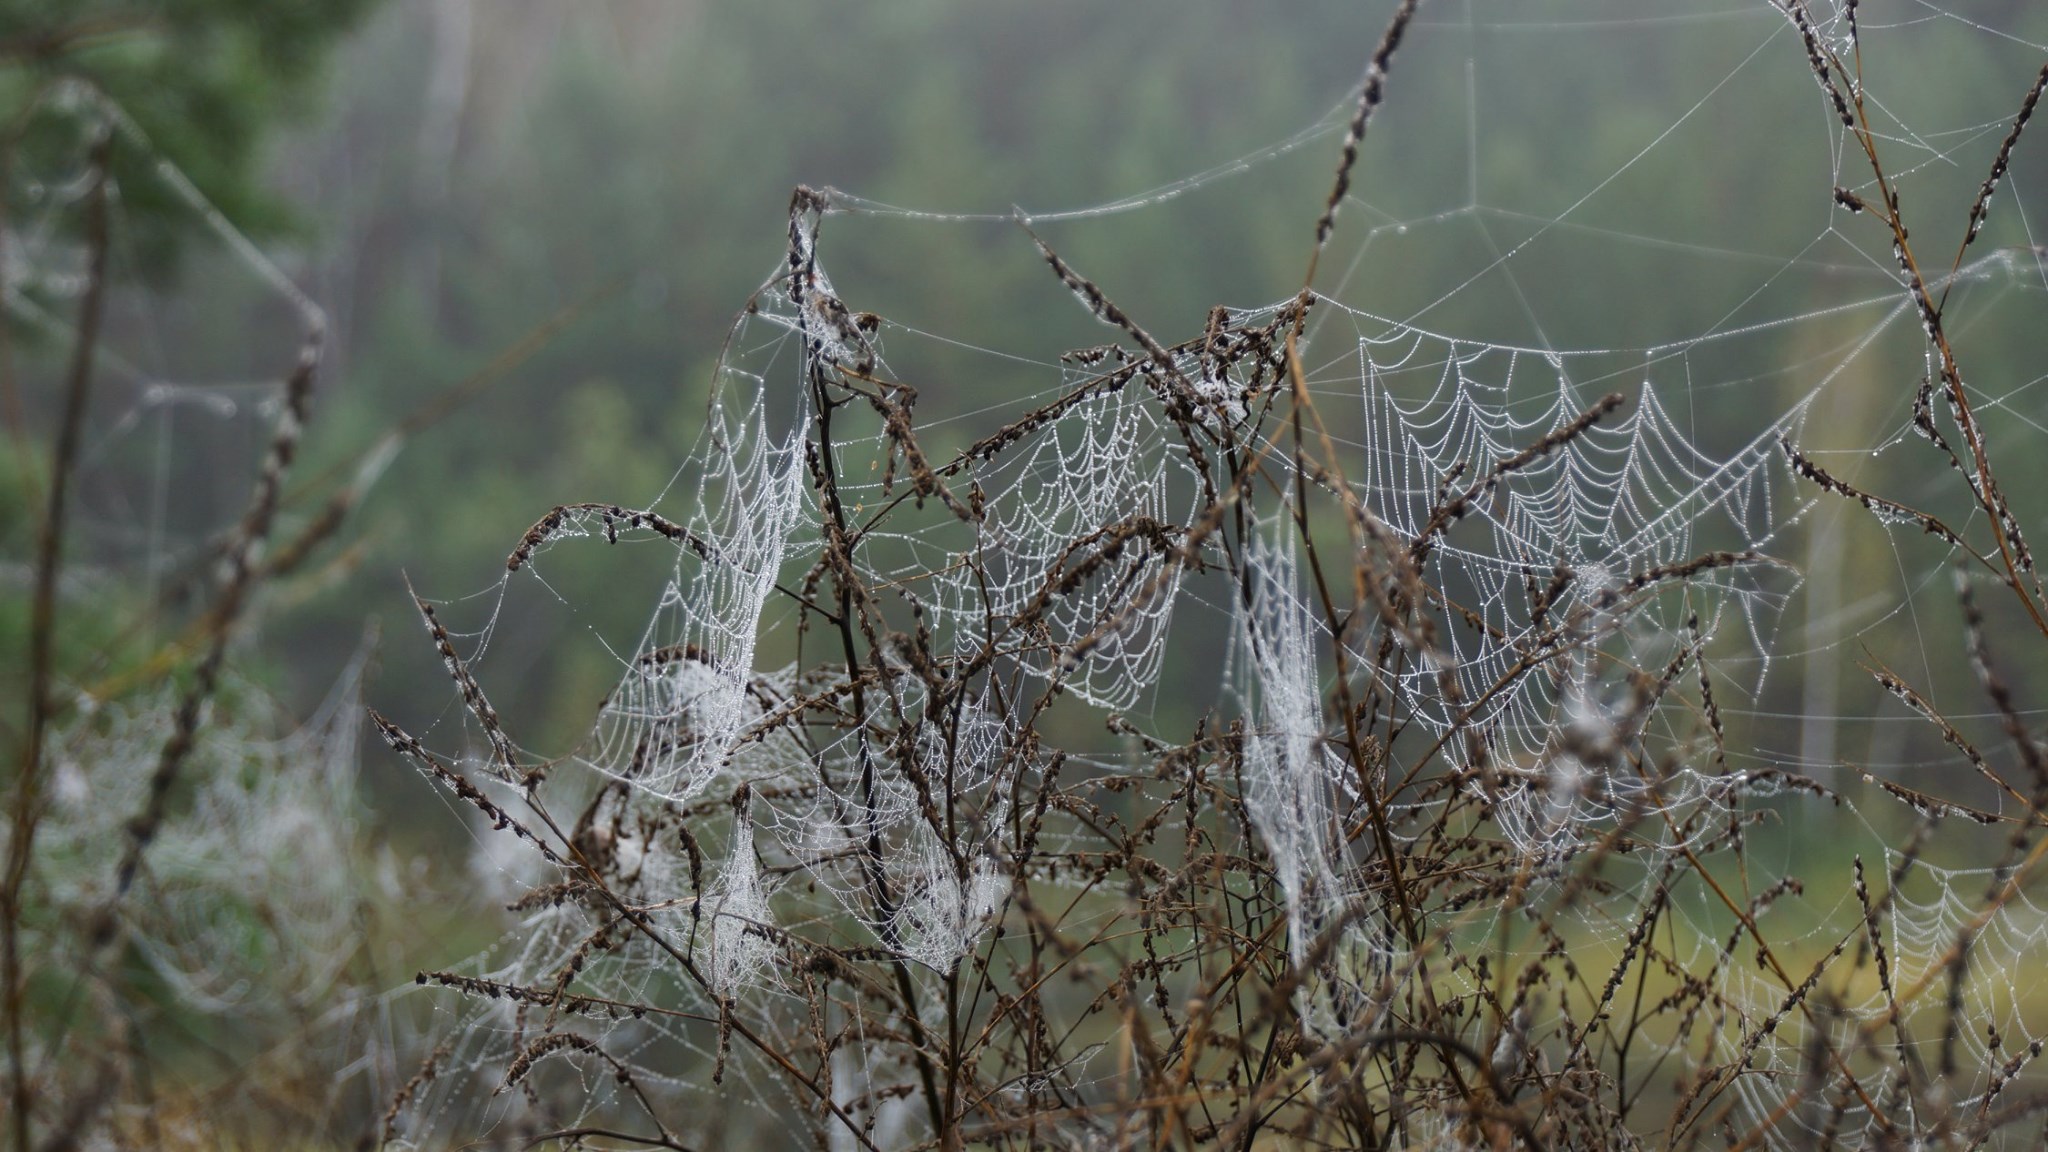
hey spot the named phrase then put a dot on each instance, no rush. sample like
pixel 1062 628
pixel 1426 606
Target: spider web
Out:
pixel 1424 402
pixel 251 905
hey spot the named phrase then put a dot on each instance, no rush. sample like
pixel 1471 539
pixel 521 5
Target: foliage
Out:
pixel 205 81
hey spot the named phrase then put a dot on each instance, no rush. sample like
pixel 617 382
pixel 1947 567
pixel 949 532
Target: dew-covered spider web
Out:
pixel 1556 522
pixel 242 902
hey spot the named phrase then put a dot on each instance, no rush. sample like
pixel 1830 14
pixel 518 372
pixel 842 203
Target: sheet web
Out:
pixel 1568 671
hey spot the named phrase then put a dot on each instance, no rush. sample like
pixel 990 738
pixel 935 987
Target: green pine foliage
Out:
pixel 206 81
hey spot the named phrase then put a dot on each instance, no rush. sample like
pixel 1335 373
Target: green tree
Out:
pixel 203 80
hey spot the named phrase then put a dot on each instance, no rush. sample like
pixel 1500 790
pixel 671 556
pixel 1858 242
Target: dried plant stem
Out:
pixel 1370 95
pixel 28 782
pixel 238 581
pixel 1834 75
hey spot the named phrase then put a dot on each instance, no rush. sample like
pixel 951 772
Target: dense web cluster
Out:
pixel 1479 839
pixel 251 903
pixel 1358 716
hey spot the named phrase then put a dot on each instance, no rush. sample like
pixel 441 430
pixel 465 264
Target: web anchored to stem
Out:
pixel 1475 844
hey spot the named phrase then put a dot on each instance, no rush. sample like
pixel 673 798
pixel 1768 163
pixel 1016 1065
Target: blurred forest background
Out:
pixel 529 224
pixel 614 177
